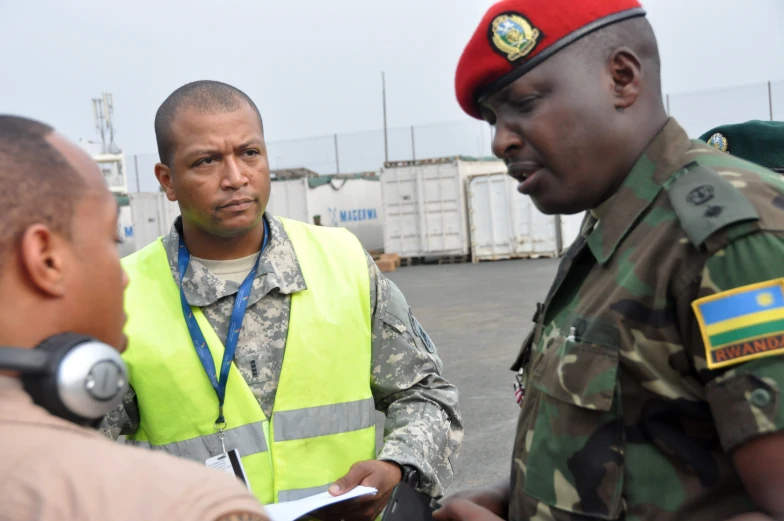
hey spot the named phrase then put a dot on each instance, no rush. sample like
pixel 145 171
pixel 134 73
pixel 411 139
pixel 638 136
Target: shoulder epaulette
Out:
pixel 705 202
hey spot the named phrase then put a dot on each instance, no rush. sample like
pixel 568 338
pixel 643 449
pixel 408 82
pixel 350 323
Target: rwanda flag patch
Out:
pixel 743 323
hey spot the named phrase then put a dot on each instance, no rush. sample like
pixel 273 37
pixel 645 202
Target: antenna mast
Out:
pixel 103 110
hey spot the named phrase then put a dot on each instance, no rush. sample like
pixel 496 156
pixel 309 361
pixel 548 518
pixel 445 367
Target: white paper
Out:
pixel 291 510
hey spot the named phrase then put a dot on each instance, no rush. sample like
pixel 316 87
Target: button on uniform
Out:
pixel 760 397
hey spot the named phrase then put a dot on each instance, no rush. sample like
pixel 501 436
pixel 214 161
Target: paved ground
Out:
pixel 478 315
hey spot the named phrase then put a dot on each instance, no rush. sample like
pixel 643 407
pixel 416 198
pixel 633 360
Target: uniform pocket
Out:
pixel 576 454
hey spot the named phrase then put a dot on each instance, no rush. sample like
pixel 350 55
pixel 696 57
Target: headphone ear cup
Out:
pixel 85 379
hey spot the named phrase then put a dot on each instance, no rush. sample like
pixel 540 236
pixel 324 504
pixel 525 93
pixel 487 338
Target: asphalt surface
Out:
pixel 478 315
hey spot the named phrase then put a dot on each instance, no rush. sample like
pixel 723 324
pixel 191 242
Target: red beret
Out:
pixel 517 35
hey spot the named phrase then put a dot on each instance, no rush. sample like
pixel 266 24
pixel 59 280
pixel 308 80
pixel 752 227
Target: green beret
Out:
pixel 761 142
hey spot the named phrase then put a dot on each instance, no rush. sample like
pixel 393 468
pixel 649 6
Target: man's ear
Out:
pixel 164 176
pixel 42 254
pixel 626 74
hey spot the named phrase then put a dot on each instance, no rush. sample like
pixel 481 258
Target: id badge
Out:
pixel 230 463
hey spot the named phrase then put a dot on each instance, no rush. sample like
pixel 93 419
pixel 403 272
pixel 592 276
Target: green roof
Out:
pixel 437 160
pixel 315 182
pixel 479 158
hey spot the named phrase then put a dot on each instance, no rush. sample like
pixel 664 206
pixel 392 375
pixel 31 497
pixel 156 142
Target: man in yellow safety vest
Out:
pixel 269 339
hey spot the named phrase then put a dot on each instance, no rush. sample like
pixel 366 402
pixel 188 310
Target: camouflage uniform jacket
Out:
pixel 622 417
pixel 423 426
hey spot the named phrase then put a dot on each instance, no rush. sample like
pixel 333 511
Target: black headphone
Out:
pixel 72 376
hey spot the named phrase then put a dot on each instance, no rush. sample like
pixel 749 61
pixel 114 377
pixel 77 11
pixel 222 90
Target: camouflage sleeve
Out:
pixel 423 426
pixel 123 419
pixel 738 337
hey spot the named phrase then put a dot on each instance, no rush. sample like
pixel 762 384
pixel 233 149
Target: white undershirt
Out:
pixel 234 270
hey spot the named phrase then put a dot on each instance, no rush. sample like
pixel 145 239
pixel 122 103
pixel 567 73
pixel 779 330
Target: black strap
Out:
pixel 27 361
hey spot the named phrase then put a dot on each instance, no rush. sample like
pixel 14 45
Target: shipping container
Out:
pixel 125 225
pixel 351 201
pixel 425 212
pixel 152 216
pixel 505 224
pixel 570 228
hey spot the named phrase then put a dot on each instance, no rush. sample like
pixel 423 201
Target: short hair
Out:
pixel 634 33
pixel 37 183
pixel 206 96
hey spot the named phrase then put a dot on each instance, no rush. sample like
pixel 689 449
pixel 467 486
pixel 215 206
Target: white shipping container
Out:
pixel 125 227
pixel 169 211
pixel 570 228
pixel 152 216
pixel 425 206
pixel 352 203
pixel 506 224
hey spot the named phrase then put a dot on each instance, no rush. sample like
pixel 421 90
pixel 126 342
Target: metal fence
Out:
pixel 697 112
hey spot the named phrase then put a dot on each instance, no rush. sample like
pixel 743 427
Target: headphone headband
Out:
pixel 27 361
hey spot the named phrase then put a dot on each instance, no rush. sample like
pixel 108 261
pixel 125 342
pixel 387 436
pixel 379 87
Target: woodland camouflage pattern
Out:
pixel 623 420
pixel 423 426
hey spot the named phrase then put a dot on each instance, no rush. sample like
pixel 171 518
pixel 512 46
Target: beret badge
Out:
pixel 718 141
pixel 513 36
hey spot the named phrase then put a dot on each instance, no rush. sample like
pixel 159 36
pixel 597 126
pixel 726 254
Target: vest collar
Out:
pixel 279 269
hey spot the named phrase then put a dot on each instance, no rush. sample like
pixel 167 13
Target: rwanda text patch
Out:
pixel 743 323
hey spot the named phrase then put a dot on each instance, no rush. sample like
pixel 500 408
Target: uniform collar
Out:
pixel 621 212
pixel 16 406
pixel 9 383
pixel 278 269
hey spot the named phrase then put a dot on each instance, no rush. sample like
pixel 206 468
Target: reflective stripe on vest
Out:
pixel 247 439
pixel 325 420
pixel 290 425
pixel 324 415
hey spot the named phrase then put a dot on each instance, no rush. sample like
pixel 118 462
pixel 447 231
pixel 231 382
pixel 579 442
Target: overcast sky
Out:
pixel 313 67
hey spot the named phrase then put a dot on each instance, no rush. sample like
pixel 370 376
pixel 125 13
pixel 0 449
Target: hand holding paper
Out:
pixel 380 475
pixel 291 510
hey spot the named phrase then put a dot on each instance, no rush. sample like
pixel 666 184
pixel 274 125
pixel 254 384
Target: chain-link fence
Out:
pixel 697 112
pixel 367 151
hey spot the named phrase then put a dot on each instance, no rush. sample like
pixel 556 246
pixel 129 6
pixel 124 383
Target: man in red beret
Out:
pixel 653 373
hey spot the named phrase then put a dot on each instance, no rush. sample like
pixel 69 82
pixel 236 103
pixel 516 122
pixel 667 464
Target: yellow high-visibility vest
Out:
pixel 323 420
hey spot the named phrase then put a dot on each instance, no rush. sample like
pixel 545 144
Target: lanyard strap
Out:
pixel 237 315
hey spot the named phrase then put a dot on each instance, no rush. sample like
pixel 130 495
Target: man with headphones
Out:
pixel 61 327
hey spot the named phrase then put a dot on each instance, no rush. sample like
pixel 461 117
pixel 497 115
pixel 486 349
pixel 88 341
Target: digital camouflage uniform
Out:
pixel 423 426
pixel 622 419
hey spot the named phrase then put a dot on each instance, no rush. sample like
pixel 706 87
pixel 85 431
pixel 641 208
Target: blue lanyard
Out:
pixel 237 315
